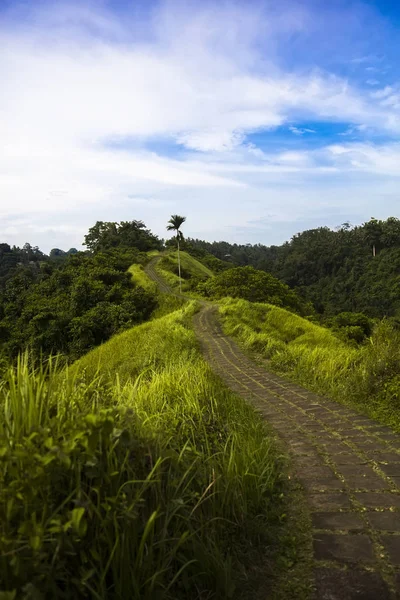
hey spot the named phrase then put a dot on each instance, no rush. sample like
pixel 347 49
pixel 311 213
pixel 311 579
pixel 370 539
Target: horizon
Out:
pixel 255 122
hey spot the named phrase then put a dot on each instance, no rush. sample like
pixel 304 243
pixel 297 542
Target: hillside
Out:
pixel 192 270
pixel 133 474
pixel 365 375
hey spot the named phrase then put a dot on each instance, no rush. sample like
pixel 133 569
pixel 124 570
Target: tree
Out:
pixel 373 230
pixel 174 224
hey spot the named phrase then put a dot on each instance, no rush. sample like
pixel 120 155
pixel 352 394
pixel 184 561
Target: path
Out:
pixel 348 465
pixel 150 270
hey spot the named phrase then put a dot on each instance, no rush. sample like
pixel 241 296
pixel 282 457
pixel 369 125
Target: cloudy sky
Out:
pixel 254 119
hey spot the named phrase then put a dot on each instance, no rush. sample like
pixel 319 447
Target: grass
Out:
pixel 191 269
pixel 140 277
pixel 366 377
pixel 132 474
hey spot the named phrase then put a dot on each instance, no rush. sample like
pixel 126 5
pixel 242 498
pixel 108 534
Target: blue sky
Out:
pixel 256 120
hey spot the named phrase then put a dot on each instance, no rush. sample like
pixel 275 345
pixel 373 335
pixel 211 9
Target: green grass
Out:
pixel 191 268
pixel 140 277
pixel 132 474
pixel 366 377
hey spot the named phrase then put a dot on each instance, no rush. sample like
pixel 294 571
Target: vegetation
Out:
pixel 71 304
pixel 139 277
pixel 253 285
pixel 174 224
pixel 352 269
pixel 127 234
pixel 366 376
pixel 133 474
pixel 193 271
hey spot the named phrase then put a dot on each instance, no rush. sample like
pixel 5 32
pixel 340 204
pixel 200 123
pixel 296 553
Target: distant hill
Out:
pixel 350 269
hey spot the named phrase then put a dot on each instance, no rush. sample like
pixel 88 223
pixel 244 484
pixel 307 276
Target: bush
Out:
pixel 252 285
pixel 352 326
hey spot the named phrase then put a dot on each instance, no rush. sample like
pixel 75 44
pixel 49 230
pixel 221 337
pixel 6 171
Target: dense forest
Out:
pixel 354 269
pixel 69 302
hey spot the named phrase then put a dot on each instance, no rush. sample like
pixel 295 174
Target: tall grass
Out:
pixel 132 474
pixel 367 376
pixel 192 270
pixel 140 277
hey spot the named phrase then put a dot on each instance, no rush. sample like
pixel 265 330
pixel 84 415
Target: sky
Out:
pixel 255 120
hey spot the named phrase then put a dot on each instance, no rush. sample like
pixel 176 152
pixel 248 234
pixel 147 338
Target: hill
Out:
pixel 133 474
pixel 365 375
pixel 192 270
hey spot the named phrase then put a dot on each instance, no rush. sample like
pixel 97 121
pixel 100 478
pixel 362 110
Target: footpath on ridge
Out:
pixel 347 464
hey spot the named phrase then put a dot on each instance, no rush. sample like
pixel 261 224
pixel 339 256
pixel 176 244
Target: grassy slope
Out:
pixel 139 475
pixel 189 264
pixel 365 376
pixel 141 278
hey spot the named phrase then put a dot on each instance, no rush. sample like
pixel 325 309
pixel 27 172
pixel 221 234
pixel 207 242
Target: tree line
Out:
pixel 355 269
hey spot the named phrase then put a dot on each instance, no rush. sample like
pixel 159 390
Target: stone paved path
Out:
pixel 348 465
pixel 150 270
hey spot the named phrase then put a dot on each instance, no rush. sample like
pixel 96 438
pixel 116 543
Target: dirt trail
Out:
pixel 348 465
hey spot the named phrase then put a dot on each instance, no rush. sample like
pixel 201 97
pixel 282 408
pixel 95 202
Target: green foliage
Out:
pixel 175 223
pixel 126 234
pixel 335 270
pixel 72 306
pixel 193 271
pixel 253 285
pixel 351 326
pixel 139 277
pixel 133 474
pixel 365 376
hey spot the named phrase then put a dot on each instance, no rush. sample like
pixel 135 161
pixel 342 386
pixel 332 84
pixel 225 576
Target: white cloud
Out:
pixel 300 130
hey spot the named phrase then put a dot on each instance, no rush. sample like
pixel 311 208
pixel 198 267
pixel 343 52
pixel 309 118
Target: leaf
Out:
pixel 78 522
pixel 35 541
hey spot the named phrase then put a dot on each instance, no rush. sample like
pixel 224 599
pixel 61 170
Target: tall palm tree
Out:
pixel 174 224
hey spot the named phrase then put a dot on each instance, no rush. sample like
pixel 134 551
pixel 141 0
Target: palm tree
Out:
pixel 174 224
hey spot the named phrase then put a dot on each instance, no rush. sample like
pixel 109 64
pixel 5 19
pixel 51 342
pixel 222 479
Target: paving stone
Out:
pixel 324 484
pixel 371 447
pixel 381 429
pixel 391 544
pixel 384 521
pixel 309 462
pixel 329 501
pixel 338 520
pixel 343 548
pixel 349 471
pixel 389 437
pixel 353 433
pixel 387 457
pixel 391 470
pixel 367 483
pixel 348 459
pixel 322 472
pixel 378 499
pixel 335 447
pixel 334 584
